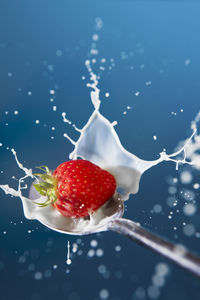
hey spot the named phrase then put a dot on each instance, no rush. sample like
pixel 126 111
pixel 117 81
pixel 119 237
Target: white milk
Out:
pixel 100 144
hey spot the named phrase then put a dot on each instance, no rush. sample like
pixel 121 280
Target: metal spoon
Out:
pixel 109 217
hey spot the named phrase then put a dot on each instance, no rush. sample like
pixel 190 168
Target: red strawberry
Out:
pixel 76 188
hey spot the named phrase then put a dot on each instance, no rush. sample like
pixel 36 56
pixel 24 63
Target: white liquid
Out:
pixel 100 144
pixel 68 261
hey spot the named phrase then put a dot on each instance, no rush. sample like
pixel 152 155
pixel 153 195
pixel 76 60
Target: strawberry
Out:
pixel 76 188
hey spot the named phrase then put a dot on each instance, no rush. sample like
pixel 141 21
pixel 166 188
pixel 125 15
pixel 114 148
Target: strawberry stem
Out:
pixel 46 186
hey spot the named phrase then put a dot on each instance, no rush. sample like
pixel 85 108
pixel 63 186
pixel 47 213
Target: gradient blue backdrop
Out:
pixel 155 38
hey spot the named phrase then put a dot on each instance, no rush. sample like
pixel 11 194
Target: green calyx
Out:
pixel 46 186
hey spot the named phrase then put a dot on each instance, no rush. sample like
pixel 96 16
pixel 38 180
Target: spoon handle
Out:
pixel 175 253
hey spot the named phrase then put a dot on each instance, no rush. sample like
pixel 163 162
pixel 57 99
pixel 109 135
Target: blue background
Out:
pixel 154 37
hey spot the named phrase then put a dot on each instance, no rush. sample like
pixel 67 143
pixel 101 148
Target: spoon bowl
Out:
pixel 96 222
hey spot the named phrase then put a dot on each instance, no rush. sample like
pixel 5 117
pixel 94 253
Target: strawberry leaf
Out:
pixel 46 186
pixel 44 169
pixel 40 189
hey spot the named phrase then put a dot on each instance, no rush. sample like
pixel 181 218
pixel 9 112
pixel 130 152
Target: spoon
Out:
pixel 109 217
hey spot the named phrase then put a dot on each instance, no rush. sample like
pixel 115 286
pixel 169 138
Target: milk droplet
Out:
pixel 99 23
pixel 99 252
pixel 196 186
pixel 68 261
pixel 55 267
pixel 118 248
pixel 59 52
pixel 189 209
pixel 104 294
pixel 91 253
pixel 93 243
pixel 153 292
pixel 172 190
pixel 38 276
pixel 162 269
pixel 157 208
pixel 95 37
pixel 148 83
pixel 94 52
pixel 74 248
pixel 186 177
pixel 158 281
pixel 50 68
pixel 187 62
pixel 189 230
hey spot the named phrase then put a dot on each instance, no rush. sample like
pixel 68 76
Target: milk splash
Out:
pixel 68 261
pixel 100 144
